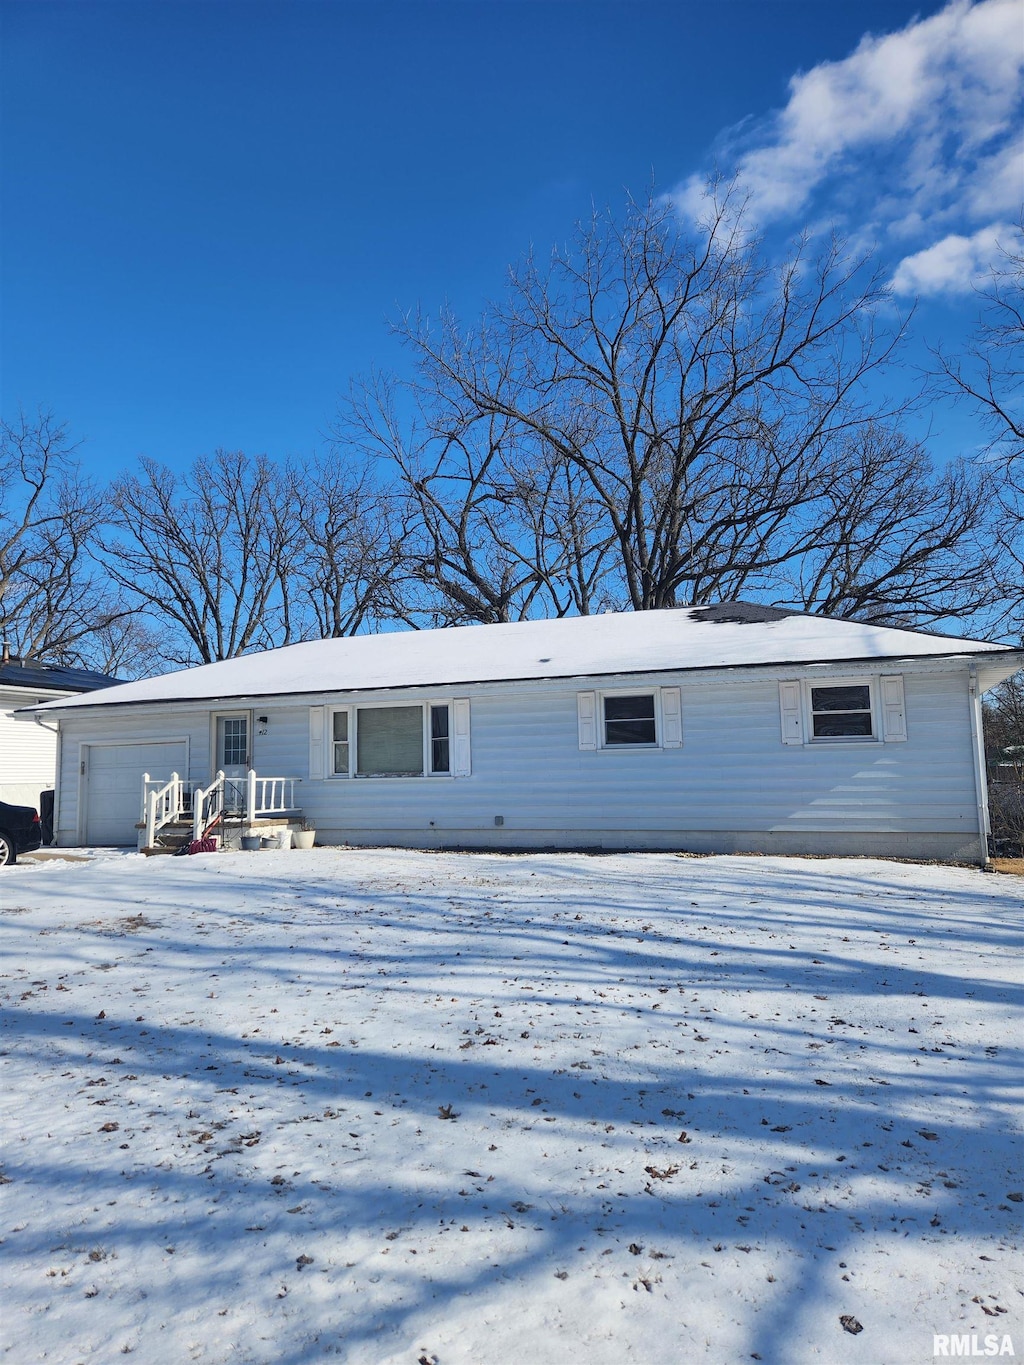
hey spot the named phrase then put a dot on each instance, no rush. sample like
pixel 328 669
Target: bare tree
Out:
pixel 490 527
pixel 55 602
pixel 990 372
pixel 658 416
pixel 350 551
pixel 694 388
pixel 128 646
pixel 1004 751
pixel 989 376
pixel 210 554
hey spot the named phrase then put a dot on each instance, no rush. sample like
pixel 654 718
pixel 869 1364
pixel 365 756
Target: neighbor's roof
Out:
pixel 35 676
pixel 729 635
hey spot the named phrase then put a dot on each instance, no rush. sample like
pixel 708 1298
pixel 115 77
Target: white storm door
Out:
pixel 232 754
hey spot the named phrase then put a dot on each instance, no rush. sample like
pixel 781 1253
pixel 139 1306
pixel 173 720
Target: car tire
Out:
pixel 8 853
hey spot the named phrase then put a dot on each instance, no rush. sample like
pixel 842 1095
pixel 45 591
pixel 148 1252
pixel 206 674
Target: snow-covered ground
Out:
pixel 392 1106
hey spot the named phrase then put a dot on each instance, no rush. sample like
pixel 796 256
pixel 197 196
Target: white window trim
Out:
pixel 600 746
pixel 879 733
pixel 352 709
pixel 831 741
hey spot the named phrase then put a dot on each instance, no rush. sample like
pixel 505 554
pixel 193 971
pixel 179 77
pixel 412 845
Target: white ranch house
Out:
pixel 726 728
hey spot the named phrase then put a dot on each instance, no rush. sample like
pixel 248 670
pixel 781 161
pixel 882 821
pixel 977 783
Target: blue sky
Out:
pixel 212 209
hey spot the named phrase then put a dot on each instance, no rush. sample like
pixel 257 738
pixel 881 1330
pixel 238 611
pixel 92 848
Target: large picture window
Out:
pixel 391 741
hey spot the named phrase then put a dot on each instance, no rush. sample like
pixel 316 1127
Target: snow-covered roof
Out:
pixel 686 638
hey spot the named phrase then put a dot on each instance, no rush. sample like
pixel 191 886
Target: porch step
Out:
pixel 172 842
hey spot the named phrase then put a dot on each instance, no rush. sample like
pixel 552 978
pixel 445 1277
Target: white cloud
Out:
pixel 914 136
pixel 956 264
pixel 998 183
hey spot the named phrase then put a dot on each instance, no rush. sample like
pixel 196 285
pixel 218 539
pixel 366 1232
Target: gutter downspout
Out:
pixel 54 729
pixel 978 753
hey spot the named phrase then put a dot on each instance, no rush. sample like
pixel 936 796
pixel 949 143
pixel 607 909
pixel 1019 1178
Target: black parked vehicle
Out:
pixel 20 832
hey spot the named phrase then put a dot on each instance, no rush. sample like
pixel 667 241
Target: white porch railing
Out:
pixel 269 795
pixel 207 806
pixel 164 803
pixel 249 798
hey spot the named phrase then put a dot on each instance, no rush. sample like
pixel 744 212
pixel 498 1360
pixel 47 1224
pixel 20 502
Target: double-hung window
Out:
pixel 440 751
pixel 629 720
pixel 841 712
pixel 340 749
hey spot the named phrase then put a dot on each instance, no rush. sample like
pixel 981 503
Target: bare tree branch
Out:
pixel 989 377
pixel 55 602
pixel 209 554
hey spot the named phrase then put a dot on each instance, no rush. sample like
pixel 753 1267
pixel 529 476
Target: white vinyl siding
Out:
pixel 28 756
pixel 316 742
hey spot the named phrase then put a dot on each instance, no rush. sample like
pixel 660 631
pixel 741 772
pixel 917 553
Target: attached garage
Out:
pixel 112 785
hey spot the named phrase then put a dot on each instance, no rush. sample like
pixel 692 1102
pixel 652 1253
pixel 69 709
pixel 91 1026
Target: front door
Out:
pixel 231 755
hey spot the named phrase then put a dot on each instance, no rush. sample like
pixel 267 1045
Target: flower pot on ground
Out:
pixel 303 838
pixel 250 843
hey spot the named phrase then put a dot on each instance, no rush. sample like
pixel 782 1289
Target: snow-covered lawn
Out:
pixel 384 1106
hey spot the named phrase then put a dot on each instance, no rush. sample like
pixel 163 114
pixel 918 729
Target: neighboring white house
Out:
pixel 724 728
pixel 28 753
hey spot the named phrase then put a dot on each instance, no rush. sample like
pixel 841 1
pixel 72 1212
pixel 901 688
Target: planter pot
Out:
pixel 250 843
pixel 304 838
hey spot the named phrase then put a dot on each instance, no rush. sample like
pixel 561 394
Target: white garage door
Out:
pixel 113 786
